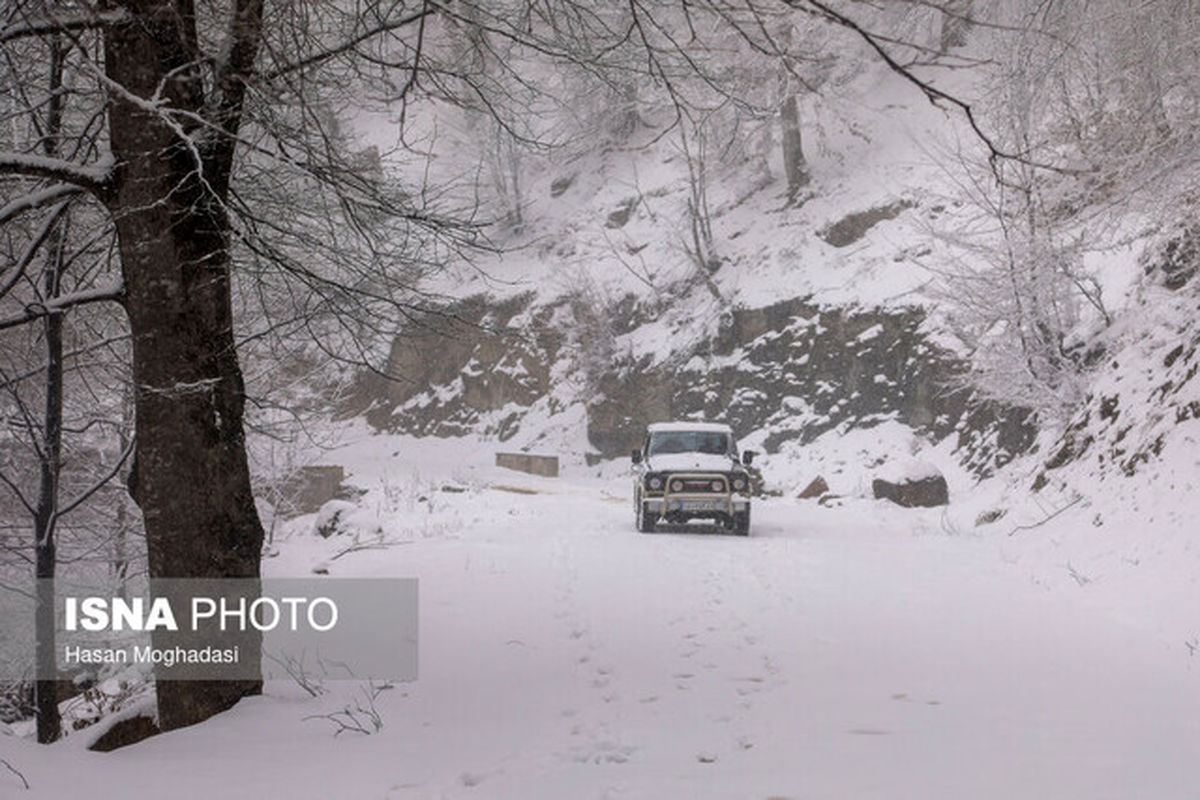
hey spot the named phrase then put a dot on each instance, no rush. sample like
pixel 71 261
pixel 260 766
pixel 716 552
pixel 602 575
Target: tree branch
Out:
pixel 18 269
pixel 93 178
pixel 16 490
pixel 58 305
pixel 37 199
pixel 935 95
pixel 245 41
pixel 57 23
pixel 100 483
pixel 348 45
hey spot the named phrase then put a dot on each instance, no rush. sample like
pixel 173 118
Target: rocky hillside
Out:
pixel 1143 413
pixel 790 371
pixel 808 316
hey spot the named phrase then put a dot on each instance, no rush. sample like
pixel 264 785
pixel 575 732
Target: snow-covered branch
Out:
pixel 92 177
pixel 67 21
pixel 936 96
pixel 97 294
pixel 38 199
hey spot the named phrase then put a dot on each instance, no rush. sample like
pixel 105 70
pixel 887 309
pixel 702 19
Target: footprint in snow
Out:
pixel 470 779
pixel 604 753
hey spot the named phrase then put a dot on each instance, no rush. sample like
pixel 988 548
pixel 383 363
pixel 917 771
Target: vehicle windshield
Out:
pixel 663 442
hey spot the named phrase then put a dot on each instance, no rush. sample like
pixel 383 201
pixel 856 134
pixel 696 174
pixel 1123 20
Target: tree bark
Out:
pixel 795 166
pixel 49 721
pixel 193 479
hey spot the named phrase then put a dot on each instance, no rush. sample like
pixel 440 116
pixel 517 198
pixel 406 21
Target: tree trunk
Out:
pixel 193 479
pixel 120 553
pixel 794 164
pixel 45 557
pixel 49 722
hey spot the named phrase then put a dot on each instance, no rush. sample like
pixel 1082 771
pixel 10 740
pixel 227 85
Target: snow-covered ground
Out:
pixel 857 651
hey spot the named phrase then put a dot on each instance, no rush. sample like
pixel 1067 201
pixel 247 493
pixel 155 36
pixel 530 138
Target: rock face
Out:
pixel 853 227
pixel 927 491
pixel 794 368
pixel 474 358
pixel 801 370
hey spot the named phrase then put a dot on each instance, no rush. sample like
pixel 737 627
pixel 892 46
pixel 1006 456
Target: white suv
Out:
pixel 690 470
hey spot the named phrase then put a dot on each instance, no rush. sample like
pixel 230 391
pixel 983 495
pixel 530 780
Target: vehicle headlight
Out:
pixel 718 486
pixel 739 484
pixel 654 482
pixel 676 486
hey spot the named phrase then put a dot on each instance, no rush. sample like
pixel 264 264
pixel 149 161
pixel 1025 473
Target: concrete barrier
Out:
pixel 314 486
pixel 546 466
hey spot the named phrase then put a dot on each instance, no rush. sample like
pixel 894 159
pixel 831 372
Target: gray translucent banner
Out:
pixel 314 629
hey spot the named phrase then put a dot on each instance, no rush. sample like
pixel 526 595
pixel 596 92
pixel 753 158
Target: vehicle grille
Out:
pixel 698 485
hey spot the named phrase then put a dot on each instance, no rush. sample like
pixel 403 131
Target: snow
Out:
pixel 907 470
pixel 852 650
pixel 712 427
pixel 860 651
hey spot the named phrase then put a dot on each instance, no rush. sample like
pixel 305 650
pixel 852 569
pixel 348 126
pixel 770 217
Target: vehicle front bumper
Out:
pixel 676 503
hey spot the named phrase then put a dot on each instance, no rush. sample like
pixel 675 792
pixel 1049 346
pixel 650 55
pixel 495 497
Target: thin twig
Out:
pixel 1045 519
pixel 16 772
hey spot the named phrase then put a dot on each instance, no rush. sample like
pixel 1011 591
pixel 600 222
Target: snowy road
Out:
pixel 815 659
pixel 855 652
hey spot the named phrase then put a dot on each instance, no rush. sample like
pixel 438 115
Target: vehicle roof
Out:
pixel 713 427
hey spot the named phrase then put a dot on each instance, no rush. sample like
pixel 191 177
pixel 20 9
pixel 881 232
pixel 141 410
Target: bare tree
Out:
pixel 206 132
pixel 1090 98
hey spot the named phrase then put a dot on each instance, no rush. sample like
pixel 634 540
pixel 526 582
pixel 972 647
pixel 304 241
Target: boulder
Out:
pixel 815 489
pixel 911 483
pixel 125 732
pixel 331 520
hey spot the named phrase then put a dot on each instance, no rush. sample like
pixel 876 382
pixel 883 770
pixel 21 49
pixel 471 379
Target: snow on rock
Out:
pixel 907 470
pixel 332 518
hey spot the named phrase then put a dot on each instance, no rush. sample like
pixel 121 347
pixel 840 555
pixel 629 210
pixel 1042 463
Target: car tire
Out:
pixel 644 519
pixel 741 522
